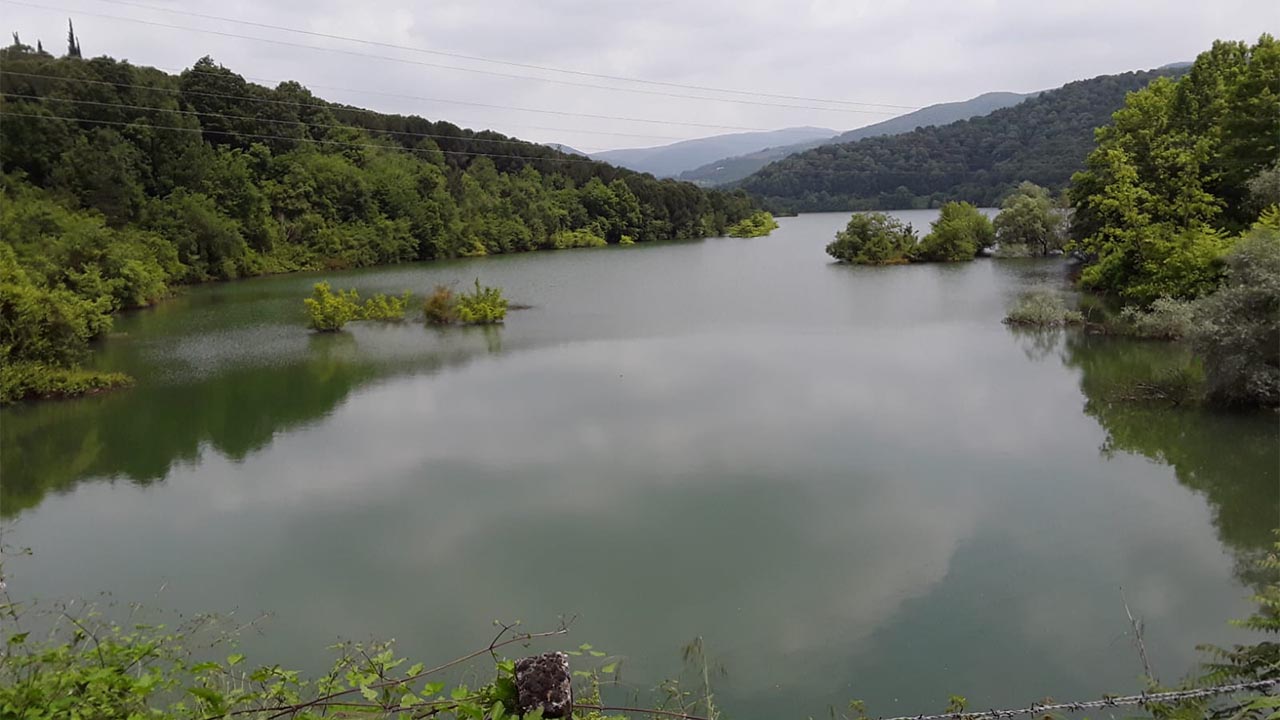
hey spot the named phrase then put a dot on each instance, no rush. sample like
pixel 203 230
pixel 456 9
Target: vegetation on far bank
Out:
pixel 161 180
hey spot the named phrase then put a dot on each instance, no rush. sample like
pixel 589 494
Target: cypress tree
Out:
pixel 73 44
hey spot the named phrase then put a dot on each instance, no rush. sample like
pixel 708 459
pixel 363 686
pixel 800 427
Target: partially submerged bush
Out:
pixel 565 239
pixel 483 306
pixel 873 239
pixel 33 380
pixel 960 231
pixel 758 224
pixel 385 307
pixel 441 306
pixel 328 311
pixel 1042 308
pixel 1166 319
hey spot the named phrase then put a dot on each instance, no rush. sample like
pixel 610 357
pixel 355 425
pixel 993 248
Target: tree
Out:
pixel 1239 331
pixel 873 239
pixel 328 311
pixel 959 233
pixel 73 43
pixel 1028 218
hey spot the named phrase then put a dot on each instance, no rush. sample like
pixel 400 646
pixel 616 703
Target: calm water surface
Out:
pixel 852 482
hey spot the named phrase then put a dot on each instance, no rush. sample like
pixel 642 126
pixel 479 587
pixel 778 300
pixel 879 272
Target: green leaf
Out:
pixel 417 668
pixel 369 693
pixel 433 688
pixel 408 700
pixel 499 711
pixel 597 653
pixel 584 646
pixel 608 669
pixel 459 692
pixel 234 659
pixel 19 638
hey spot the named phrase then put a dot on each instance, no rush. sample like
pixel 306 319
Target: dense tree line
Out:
pixel 121 181
pixel 1178 204
pixel 1041 140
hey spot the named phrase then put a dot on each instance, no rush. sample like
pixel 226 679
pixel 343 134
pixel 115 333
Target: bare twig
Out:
pixel 280 711
pixel 1137 639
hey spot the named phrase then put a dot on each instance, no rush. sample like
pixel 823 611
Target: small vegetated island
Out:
pixel 329 311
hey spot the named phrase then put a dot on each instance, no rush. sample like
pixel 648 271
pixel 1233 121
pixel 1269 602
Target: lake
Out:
pixel 851 482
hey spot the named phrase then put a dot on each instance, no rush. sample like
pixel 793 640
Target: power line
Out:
pixel 530 66
pixel 348 108
pixel 257 136
pixel 261 119
pixel 427 99
pixel 437 65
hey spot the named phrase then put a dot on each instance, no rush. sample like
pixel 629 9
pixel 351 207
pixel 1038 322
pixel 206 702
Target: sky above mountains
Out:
pixel 894 53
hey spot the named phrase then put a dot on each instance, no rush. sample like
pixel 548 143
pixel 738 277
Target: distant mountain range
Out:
pixel 671 160
pixel 730 169
pixel 1043 139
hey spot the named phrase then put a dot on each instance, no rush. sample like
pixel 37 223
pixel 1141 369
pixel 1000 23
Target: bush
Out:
pixel 1167 319
pixel 328 311
pixel 758 224
pixel 482 306
pixel 873 239
pixel 441 306
pixel 1238 333
pixel 385 307
pixel 565 239
pixel 1044 309
pixel 960 231
pixel 34 381
pixel 1029 223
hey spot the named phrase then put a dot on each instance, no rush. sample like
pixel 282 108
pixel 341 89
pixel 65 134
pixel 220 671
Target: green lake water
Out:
pixel 851 482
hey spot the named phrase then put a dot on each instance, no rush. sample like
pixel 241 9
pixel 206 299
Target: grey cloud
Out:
pixel 908 53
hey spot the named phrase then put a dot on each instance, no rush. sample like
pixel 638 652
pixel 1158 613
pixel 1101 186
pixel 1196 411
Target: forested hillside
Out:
pixel 122 181
pixel 728 169
pixel 1042 140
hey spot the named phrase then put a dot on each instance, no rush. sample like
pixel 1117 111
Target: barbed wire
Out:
pixel 1145 698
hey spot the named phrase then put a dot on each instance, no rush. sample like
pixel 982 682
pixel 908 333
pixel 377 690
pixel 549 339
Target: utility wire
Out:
pixel 388 58
pixel 251 118
pixel 339 143
pixel 335 88
pixel 530 66
pixel 428 99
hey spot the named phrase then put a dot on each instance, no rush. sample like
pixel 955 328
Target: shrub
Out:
pixel 565 239
pixel 441 306
pixel 960 231
pixel 1167 319
pixel 385 307
pixel 758 224
pixel 1042 308
pixel 1029 223
pixel 1238 333
pixel 328 311
pixel 34 380
pixel 873 239
pixel 482 306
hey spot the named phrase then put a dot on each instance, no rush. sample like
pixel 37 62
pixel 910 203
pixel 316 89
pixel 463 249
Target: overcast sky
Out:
pixel 883 51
